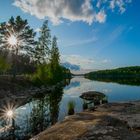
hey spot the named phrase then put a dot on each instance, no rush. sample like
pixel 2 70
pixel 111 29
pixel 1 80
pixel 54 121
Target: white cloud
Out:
pixel 121 4
pixel 82 42
pixel 88 11
pixel 98 5
pixel 105 61
pixel 83 62
pixel 101 16
pixel 73 10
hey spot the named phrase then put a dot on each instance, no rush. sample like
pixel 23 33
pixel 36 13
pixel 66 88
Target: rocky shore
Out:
pixel 111 121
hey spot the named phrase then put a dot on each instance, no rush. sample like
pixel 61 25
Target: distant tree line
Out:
pixel 21 52
pixel 125 75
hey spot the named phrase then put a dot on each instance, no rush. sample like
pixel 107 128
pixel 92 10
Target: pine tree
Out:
pixel 43 44
pixel 17 35
pixel 55 67
pixel 55 56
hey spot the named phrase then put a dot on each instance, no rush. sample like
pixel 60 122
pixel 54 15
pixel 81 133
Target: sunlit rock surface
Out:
pixel 112 121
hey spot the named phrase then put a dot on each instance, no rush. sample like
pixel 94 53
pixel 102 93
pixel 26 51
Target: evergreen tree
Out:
pixel 42 47
pixel 17 35
pixel 55 56
pixel 56 69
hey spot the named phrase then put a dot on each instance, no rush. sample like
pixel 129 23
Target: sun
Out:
pixel 12 40
pixel 9 113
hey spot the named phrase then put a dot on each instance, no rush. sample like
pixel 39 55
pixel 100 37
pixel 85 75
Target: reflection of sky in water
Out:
pixel 114 92
pixel 73 84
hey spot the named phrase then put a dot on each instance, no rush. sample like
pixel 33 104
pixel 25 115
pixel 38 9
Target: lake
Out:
pixel 45 110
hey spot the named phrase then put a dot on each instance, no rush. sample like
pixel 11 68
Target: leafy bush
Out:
pixel 71 106
pixel 47 75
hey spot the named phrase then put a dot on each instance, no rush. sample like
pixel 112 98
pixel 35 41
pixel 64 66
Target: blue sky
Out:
pixel 95 34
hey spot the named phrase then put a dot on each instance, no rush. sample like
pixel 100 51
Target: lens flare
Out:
pixel 12 40
pixel 9 113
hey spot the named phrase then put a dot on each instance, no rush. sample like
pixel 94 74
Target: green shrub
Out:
pixel 71 106
pixel 48 75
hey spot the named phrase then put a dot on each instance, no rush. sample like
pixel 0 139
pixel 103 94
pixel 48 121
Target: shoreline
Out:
pixel 111 121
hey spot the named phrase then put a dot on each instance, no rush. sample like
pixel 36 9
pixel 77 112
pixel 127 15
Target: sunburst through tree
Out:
pixel 17 36
pixel 16 33
pixel 12 40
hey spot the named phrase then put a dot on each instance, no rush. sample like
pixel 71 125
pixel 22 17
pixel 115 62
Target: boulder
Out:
pixel 93 95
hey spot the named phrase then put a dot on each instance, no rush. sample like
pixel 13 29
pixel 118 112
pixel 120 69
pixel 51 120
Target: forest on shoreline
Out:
pixel 24 53
pixel 125 75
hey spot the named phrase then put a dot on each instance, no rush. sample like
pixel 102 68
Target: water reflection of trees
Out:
pixel 45 111
pixel 42 111
pixel 133 81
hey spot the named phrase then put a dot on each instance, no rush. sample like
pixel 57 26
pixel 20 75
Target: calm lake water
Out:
pixel 42 112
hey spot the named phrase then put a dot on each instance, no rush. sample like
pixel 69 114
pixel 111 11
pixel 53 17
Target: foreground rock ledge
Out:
pixel 112 121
